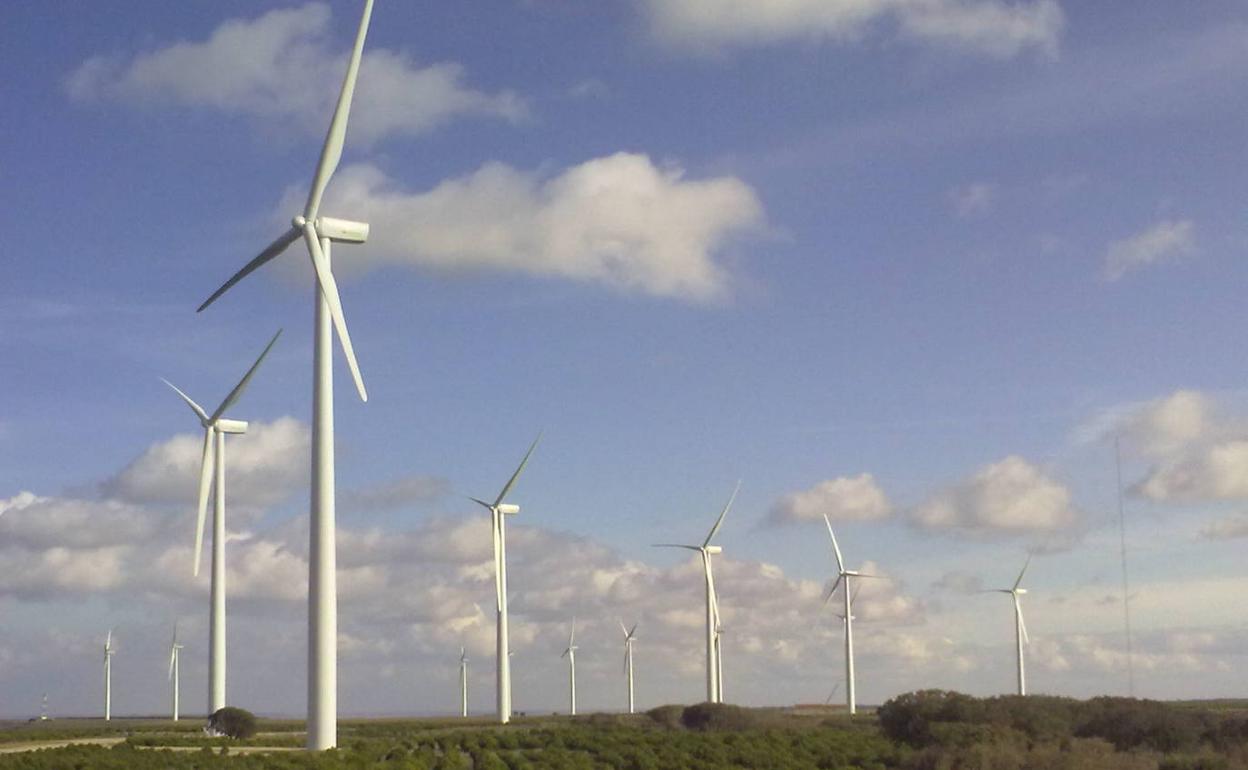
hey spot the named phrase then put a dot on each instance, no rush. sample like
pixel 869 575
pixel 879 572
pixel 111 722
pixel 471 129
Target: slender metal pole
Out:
pixel 463 688
pixel 850 692
pixel 108 687
pixel 1126 601
pixel 712 692
pixel 503 651
pixel 322 578
pixel 176 666
pixel 719 666
pixel 572 680
pixel 216 620
pixel 1018 641
pixel 629 651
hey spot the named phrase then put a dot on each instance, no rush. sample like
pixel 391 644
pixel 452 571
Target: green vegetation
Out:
pixel 928 730
pixel 233 722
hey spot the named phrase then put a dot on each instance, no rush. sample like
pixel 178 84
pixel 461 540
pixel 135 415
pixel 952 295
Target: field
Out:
pixel 929 730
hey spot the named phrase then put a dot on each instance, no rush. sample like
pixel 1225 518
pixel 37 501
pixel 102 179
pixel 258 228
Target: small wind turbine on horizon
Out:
pixel 713 669
pixel 463 682
pixel 498 510
pixel 570 654
pixel 1020 628
pixel 844 576
pixel 216 426
pixel 629 638
pixel 319 233
pixel 174 667
pixel 108 676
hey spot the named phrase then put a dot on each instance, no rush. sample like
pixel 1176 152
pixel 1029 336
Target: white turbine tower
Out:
pixel 844 576
pixel 570 654
pixel 706 550
pixel 498 510
pixel 318 233
pixel 629 638
pixel 216 426
pixel 108 676
pixel 1020 628
pixel 174 667
pixel 463 682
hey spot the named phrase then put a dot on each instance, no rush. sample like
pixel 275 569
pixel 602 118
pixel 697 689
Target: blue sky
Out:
pixel 952 245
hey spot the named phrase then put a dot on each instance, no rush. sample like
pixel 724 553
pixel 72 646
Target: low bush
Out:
pixel 231 722
pixel 718 716
pixel 667 716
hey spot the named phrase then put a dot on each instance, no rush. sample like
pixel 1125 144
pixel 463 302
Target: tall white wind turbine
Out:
pixel 845 576
pixel 216 426
pixel 1020 628
pixel 570 654
pixel 175 667
pixel 629 638
pixel 463 682
pixel 108 676
pixel 318 233
pixel 706 550
pixel 498 510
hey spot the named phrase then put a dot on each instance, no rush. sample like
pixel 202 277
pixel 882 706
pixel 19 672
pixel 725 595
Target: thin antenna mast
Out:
pixel 1126 601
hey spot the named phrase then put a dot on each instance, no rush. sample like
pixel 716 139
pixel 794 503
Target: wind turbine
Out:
pixel 629 638
pixel 498 510
pixel 108 676
pixel 174 666
pixel 713 669
pixel 844 575
pixel 215 429
pixel 570 654
pixel 318 233
pixel 1020 628
pixel 463 682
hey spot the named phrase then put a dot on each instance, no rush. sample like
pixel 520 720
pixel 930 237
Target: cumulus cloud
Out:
pixel 1218 471
pixel 619 220
pixel 848 498
pixel 1166 425
pixel 991 27
pixel 263 466
pixel 974 199
pixel 1166 241
pixel 282 66
pixel 1009 498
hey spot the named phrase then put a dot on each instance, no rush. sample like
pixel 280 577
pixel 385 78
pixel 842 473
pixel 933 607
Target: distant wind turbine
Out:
pixel 706 550
pixel 629 638
pixel 498 510
pixel 570 654
pixel 108 676
pixel 845 576
pixel 318 233
pixel 1020 628
pixel 216 426
pixel 174 667
pixel 463 682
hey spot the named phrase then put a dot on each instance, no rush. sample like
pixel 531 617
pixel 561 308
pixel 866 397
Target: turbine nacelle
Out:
pixel 507 508
pixel 338 230
pixel 713 549
pixel 236 427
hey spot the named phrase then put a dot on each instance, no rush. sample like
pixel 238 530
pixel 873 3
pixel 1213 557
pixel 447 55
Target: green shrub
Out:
pixel 718 716
pixel 667 716
pixel 236 723
pixel 1135 723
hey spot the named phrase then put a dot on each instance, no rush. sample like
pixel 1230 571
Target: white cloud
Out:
pixel 848 498
pixel 991 27
pixel 1166 241
pixel 1226 528
pixel 398 493
pixel 1004 499
pixel 1218 471
pixel 617 220
pixel 263 467
pixel 281 66
pixel 974 199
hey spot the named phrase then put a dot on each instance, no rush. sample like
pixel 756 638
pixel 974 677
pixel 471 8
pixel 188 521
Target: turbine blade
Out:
pixel 242 384
pixel 572 636
pixel 205 480
pixel 719 522
pixel 828 596
pixel 271 251
pixel 329 290
pixel 840 562
pixel 625 630
pixel 853 597
pixel 1022 572
pixel 196 408
pixel 676 545
pixel 632 630
pixel 331 152
pixel 173 655
pixel 511 482
pixel 625 668
pixel 1022 625
pixel 481 503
